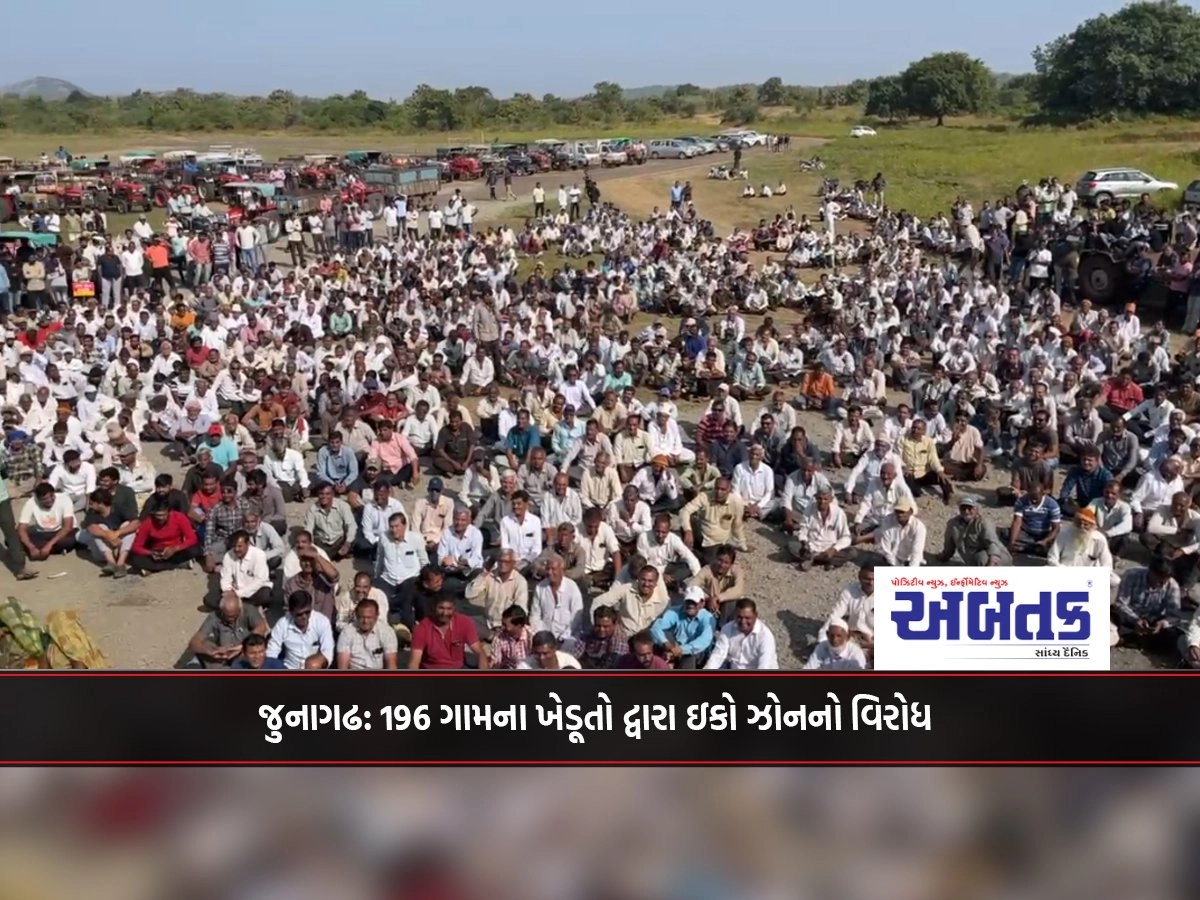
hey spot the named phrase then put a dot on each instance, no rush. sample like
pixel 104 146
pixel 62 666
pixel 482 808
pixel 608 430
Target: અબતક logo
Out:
pixel 992 619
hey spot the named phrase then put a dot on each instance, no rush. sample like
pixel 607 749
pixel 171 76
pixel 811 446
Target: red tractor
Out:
pixel 465 168
pixel 128 194
pixel 316 178
pixel 362 194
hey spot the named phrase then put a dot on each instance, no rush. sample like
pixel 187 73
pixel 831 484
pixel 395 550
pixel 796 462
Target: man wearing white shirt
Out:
pixel 663 438
pixel 245 572
pixel 754 482
pixel 377 512
pixel 558 606
pixel 868 467
pixel 401 555
pixel 855 603
pixel 837 652
pixel 880 497
pixel 478 372
pixel 521 532
pixel 285 467
pixel 900 538
pixel 1114 518
pixel 74 477
pixel 744 644
pixel 303 638
pixel 665 550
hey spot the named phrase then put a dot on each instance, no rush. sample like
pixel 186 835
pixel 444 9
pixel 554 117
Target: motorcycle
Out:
pixel 816 164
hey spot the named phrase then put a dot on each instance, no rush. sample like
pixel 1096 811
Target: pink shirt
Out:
pixel 395 454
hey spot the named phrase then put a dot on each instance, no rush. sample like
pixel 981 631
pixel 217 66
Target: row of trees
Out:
pixel 425 109
pixel 1143 59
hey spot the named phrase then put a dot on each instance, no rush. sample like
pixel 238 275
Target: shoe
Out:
pixel 120 571
pixel 107 571
pixel 26 575
pixel 191 564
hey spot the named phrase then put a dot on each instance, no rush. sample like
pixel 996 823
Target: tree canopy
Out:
pixel 1143 59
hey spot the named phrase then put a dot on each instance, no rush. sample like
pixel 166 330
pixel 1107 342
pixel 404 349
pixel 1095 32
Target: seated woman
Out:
pixel 748 191
pixel 765 191
pixel 781 190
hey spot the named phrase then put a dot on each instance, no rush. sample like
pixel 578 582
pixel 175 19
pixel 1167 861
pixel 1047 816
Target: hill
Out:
pixel 46 88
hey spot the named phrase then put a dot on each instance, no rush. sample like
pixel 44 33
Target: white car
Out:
pixel 861 131
pixel 748 138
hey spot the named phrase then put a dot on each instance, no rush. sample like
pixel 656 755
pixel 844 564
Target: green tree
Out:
pixel 772 92
pixel 1145 59
pixel 946 84
pixel 885 98
pixel 609 99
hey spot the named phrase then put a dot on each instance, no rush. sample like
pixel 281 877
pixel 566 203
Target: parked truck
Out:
pixel 411 181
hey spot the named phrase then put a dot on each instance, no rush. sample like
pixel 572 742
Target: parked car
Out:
pixel 862 131
pixel 703 145
pixel 724 142
pixel 1106 185
pixel 669 148
pixel 747 137
pixel 1191 195
pixel 613 154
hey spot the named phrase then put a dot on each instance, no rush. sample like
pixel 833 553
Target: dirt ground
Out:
pixel 145 623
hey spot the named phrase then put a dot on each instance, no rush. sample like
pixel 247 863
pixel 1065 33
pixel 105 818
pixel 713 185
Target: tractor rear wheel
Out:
pixel 121 206
pixel 1098 278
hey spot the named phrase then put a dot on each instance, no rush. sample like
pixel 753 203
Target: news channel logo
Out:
pixel 1004 619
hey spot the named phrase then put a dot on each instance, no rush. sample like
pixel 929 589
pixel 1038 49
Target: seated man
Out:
pixel 1147 607
pixel 1084 482
pixel 369 643
pixel 511 643
pixel 254 655
pixel 164 541
pixel 303 637
pixel 1173 534
pixel 330 520
pixel 965 451
pixel 601 645
pixel 900 538
pixel 218 641
pixel 1036 522
pixel 684 634
pixel 971 540
pixel 544 654
pixel 823 537
pixel 107 534
pixel 47 523
pixel 723 583
pixel 921 466
pixel 375 513
pixel 745 643
pixel 245 573
pixel 1081 543
pixel 837 652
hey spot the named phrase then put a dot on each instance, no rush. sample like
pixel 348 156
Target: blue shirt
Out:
pixel 268 663
pixel 520 441
pixel 1038 520
pixel 693 635
pixel 1081 487
pixel 224 454
pixel 339 468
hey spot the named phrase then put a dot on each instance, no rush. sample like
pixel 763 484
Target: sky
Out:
pixel 387 49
